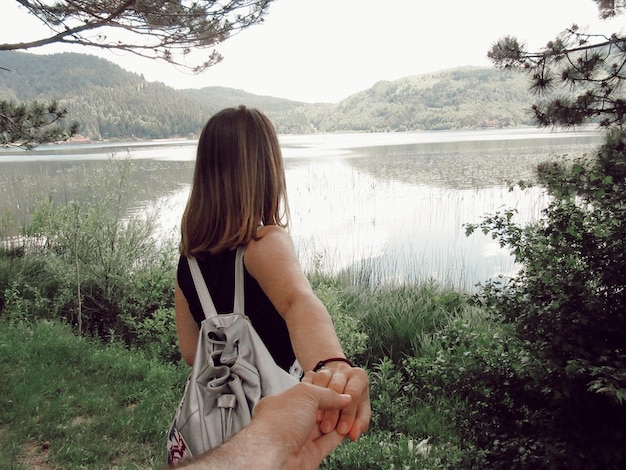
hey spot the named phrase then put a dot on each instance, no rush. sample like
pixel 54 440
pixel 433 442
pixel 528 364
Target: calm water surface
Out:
pixel 383 207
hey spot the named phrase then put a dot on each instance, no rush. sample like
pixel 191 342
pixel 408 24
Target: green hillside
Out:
pixel 108 101
pixel 453 99
pixel 289 117
pixel 112 103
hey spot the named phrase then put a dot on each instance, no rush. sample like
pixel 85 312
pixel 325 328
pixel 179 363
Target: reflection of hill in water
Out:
pixel 24 183
pixel 465 165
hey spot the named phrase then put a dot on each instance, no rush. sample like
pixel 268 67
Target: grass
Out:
pixel 88 405
pixel 75 402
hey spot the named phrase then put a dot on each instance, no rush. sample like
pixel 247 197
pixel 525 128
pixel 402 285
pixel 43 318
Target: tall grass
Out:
pixel 396 319
pixel 424 346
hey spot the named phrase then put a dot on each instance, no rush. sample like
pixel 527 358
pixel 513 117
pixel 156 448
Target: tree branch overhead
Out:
pixel 167 30
pixel 155 29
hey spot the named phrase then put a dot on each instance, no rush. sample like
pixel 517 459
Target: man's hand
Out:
pixel 293 419
pixel 284 432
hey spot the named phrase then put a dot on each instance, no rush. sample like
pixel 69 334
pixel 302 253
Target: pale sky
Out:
pixel 327 50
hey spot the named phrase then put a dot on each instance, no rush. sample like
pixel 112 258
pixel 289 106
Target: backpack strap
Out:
pixel 208 307
pixel 203 291
pixel 239 302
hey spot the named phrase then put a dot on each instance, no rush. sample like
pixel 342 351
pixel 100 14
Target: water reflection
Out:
pixel 382 230
pixel 381 207
pixel 465 165
pixel 24 183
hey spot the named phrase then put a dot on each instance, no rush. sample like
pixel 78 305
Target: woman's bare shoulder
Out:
pixel 273 245
pixel 270 235
pixel 272 230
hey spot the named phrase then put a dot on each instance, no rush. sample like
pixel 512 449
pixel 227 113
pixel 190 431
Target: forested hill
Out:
pixel 460 98
pixel 111 103
pixel 108 101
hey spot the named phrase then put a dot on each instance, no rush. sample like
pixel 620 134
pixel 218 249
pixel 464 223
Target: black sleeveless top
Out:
pixel 219 274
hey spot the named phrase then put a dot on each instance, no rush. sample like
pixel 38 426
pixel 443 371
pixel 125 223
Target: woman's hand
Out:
pixel 354 420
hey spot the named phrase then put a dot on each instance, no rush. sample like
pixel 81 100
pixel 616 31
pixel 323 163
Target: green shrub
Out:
pixel 155 335
pixel 400 405
pixel 480 366
pixel 32 287
pixel 89 263
pixel 378 450
pixel 99 245
pixel 568 305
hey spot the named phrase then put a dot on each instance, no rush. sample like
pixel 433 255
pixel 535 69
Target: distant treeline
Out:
pixel 112 103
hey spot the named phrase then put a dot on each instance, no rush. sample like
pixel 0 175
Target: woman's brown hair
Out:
pixel 238 183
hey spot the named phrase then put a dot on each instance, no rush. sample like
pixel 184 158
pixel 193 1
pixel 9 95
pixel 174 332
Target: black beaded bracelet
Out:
pixel 321 364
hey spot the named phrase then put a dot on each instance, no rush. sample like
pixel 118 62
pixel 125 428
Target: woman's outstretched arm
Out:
pixel 273 262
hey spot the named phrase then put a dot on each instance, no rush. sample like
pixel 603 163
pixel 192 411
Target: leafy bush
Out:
pixel 88 262
pixel 568 305
pixel 155 335
pixel 29 290
pixel 481 368
pixel 386 450
pixel 101 247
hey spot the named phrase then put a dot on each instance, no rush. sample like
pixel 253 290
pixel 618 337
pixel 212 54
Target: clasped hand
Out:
pixel 353 420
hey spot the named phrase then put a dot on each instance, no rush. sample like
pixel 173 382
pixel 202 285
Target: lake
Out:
pixel 384 208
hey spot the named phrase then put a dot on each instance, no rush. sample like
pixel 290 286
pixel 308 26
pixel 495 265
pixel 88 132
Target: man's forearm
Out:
pixel 251 448
pixel 284 432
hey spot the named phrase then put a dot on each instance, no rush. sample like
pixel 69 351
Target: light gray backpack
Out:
pixel 231 372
